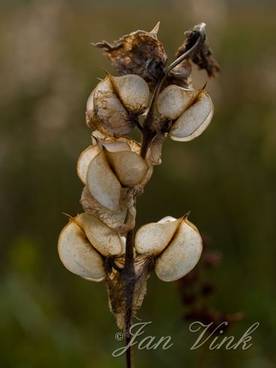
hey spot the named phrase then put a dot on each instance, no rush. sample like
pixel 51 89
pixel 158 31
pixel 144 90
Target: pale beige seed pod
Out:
pixel 115 144
pixel 78 255
pixel 175 243
pixel 105 112
pixel 107 171
pixel 129 167
pixel 104 239
pixel 194 120
pixel 153 238
pixel 181 255
pixel 103 183
pixel 111 102
pixel 116 220
pixel 133 92
pixel 174 100
pixel 84 160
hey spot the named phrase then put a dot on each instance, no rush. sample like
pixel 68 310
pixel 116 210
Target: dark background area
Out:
pixel 226 177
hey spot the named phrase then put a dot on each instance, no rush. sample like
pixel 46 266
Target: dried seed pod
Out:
pixel 90 107
pixel 104 239
pixel 194 120
pixel 139 53
pixel 181 255
pixel 84 160
pixel 133 92
pixel 129 167
pixel 115 144
pixel 114 219
pixel 103 183
pixel 105 111
pixel 107 170
pixel 111 102
pixel 78 255
pixel 174 100
pixel 153 238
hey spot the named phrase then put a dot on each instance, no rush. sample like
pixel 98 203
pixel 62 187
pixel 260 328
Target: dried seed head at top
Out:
pixel 138 53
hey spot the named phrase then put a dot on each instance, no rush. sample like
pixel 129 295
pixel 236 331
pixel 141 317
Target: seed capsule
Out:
pixel 153 238
pixel 129 167
pixel 78 255
pixel 107 170
pixel 133 92
pixel 84 160
pixel 114 219
pixel 103 183
pixel 111 102
pixel 181 255
pixel 105 111
pixel 174 100
pixel 105 240
pixel 194 120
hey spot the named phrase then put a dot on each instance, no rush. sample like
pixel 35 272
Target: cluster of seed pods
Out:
pixel 114 172
pixel 112 165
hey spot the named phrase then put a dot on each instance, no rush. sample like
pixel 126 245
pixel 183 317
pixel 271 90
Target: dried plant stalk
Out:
pixel 161 102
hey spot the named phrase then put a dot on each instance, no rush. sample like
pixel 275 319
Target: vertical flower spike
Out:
pixel 158 100
pixel 78 255
pixel 181 255
pixel 194 120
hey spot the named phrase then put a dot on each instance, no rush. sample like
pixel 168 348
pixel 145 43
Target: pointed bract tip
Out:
pixel 67 215
pixel 155 29
pixel 187 215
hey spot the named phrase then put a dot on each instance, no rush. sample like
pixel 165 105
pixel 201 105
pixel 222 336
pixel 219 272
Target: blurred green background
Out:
pixel 227 177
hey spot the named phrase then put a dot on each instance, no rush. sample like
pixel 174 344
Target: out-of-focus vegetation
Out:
pixel 227 178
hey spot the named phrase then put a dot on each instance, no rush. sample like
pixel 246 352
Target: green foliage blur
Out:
pixel 226 177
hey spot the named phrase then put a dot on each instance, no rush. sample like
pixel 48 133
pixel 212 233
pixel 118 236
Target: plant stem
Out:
pixel 128 278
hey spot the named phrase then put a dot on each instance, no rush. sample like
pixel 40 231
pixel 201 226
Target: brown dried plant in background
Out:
pixel 196 290
pixel 160 101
